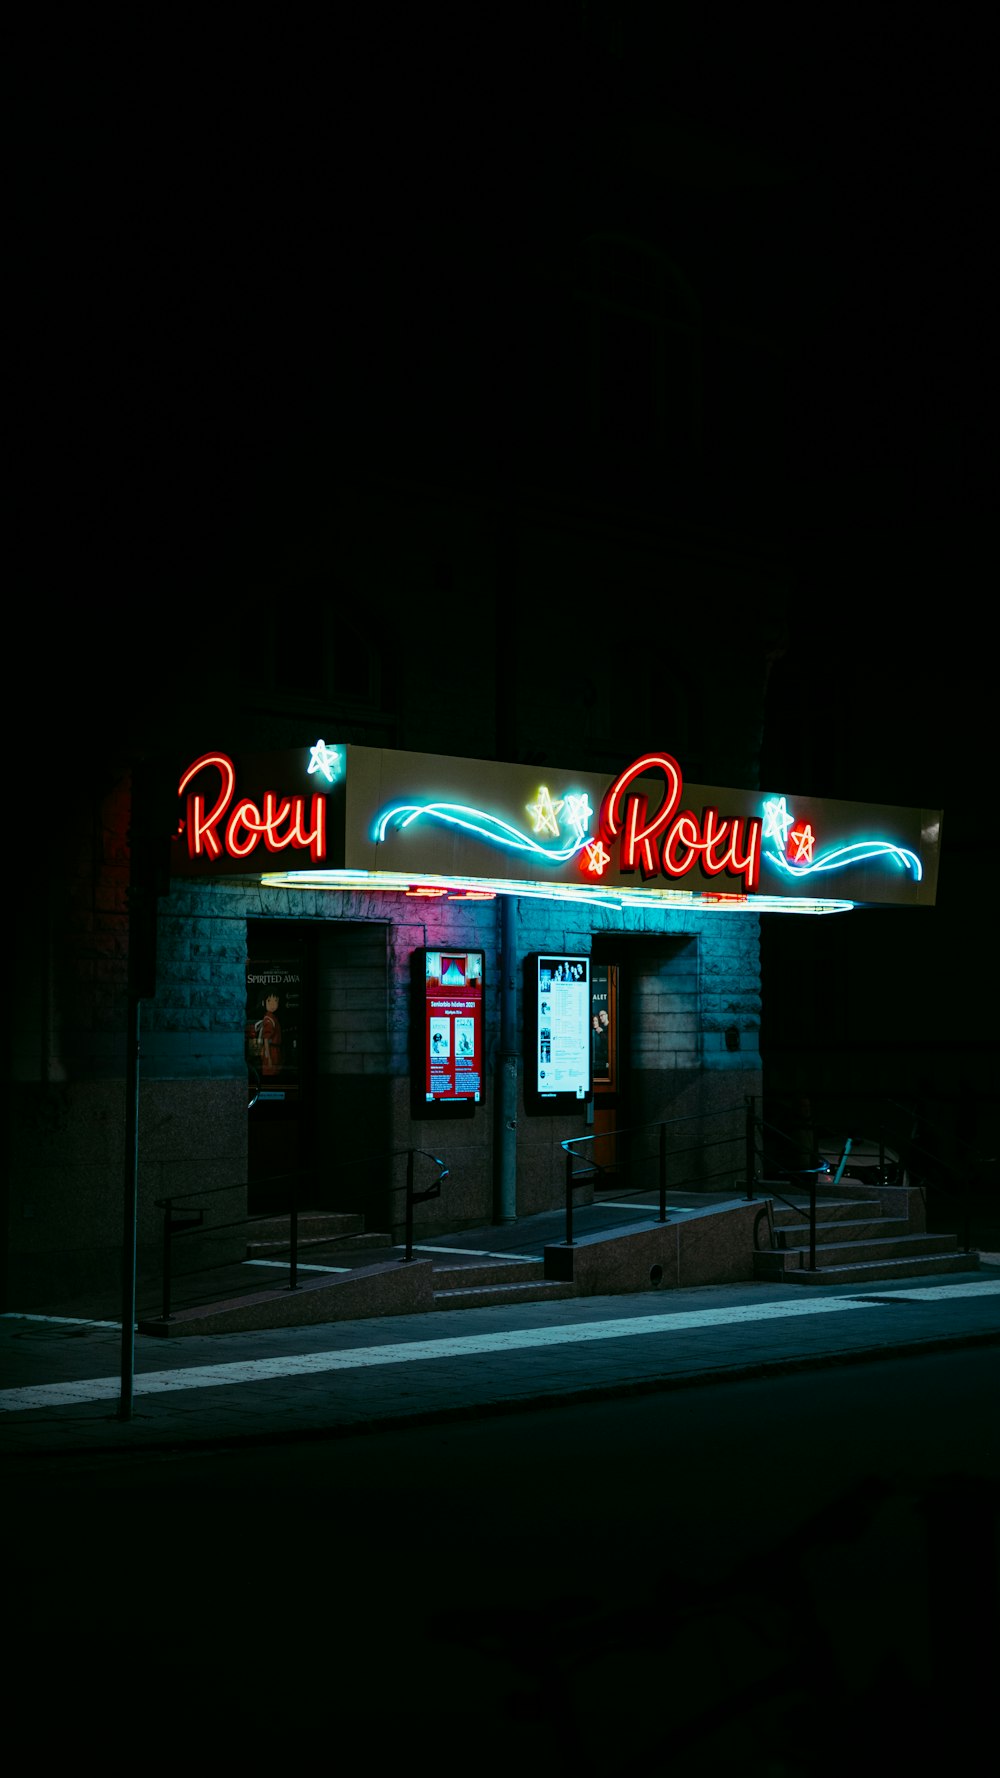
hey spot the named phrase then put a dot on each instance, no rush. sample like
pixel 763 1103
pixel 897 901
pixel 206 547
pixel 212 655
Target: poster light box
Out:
pixel 557 1060
pixel 448 1011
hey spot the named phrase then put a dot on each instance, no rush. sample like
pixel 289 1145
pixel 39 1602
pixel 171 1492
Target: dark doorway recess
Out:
pixel 281 1065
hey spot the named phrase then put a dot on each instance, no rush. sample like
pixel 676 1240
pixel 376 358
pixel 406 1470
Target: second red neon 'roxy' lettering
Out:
pixel 681 840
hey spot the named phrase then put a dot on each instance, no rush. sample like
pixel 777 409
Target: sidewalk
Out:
pixel 61 1388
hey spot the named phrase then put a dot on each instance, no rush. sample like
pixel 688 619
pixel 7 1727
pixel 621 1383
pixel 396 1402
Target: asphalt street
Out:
pixel 70 1385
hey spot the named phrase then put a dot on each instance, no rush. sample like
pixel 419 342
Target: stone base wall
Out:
pixel 68 1184
pixel 713 1247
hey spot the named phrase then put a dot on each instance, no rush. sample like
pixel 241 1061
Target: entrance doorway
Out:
pixel 606 1025
pixel 322 1116
pixel 645 1043
pixel 280 1066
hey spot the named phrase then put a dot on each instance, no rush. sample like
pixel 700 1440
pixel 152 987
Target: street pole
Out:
pixel 152 823
pixel 130 1197
pixel 505 1156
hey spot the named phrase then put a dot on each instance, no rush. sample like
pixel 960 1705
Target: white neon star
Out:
pixel 545 812
pixel 578 813
pixel 326 760
pixel 777 821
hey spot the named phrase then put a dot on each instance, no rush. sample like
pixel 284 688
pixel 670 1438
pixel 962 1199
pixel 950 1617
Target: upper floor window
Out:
pixel 325 656
pixel 642 345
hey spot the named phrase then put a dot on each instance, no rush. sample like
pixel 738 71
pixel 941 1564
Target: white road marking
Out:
pixel 933 1293
pixel 215 1376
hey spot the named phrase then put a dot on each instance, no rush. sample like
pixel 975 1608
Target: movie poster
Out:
pixel 563 1024
pixel 453 1026
pixel 600 1023
pixel 273 1027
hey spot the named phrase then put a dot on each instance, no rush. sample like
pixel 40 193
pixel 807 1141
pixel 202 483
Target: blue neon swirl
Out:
pixel 487 827
pixel 844 856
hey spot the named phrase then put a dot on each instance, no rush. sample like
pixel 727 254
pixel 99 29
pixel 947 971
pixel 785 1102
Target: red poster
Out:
pixel 453 1026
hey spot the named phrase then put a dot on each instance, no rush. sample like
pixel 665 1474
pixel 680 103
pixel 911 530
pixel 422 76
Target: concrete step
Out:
pixel 480 1283
pixel 874 1271
pixel 319 1247
pixel 485 1296
pixel 874 1228
pixel 830 1209
pixel 313 1224
pixel 842 1266
pixel 835 1253
pixel 456 1275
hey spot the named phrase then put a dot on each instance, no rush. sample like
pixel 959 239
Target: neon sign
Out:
pixel 714 844
pixel 647 838
pixel 328 760
pixel 280 821
pixel 482 825
pixel 545 812
pixel 793 847
pixel 673 840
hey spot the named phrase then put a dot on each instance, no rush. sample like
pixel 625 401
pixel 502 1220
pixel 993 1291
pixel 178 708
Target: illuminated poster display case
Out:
pixel 557 1064
pixel 448 1006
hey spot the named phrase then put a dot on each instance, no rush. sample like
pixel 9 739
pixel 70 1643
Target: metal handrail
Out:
pixel 175 1227
pixel 922 1153
pixel 413 1197
pixel 808 1176
pixel 571 1145
pixel 753 1125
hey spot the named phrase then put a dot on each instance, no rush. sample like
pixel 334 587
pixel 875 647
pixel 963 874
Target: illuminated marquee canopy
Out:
pixel 347 817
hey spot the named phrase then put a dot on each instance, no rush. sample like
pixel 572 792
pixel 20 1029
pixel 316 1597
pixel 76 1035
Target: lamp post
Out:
pixel 152 823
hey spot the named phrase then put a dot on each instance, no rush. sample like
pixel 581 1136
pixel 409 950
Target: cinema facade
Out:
pixel 361 953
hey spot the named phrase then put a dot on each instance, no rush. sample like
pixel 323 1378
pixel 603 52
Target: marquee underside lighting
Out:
pixel 397 883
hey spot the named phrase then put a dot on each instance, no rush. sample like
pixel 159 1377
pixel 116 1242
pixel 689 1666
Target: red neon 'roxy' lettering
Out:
pixel 281 823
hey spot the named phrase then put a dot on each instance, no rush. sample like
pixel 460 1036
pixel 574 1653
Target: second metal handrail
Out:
pixel 575 1178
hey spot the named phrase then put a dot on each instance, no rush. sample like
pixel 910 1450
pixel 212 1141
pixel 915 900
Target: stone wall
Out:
pixel 695 980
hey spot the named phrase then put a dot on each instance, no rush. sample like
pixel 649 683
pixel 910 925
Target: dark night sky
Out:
pixel 208 223
pixel 200 259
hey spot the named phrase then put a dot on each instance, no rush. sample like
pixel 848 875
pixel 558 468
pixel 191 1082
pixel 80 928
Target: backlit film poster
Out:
pixel 562 1061
pixel 453 1026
